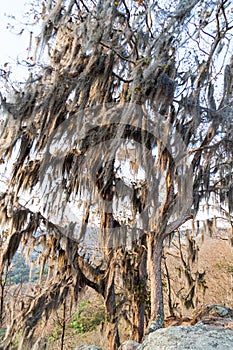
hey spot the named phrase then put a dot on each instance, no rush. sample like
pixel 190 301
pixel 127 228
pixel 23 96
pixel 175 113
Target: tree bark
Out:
pixel 111 314
pixel 104 183
pixel 63 325
pixel 155 250
pixel 143 296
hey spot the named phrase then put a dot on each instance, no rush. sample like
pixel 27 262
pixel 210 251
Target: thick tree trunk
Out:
pixel 111 314
pixel 134 279
pixel 105 185
pixel 155 250
pixel 138 322
pixel 143 296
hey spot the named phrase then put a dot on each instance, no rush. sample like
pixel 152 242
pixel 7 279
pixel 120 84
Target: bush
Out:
pixel 88 317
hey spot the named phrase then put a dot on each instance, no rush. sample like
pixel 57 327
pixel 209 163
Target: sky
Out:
pixel 13 45
pixel 10 43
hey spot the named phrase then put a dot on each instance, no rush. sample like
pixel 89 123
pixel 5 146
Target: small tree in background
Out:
pixel 117 132
pixel 184 249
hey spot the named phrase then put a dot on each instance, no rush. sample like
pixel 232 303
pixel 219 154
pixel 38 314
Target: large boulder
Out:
pixel 197 337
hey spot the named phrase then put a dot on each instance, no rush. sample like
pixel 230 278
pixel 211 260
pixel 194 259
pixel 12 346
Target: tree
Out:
pixel 116 128
pixel 193 284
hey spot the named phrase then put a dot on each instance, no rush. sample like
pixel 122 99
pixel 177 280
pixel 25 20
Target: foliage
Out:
pixel 87 318
pixel 20 270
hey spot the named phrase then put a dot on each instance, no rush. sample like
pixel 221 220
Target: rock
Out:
pixel 87 347
pixel 213 311
pixel 129 345
pixel 198 337
pixel 212 314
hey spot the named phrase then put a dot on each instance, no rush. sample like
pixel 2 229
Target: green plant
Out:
pixel 17 339
pixel 2 332
pixel 87 318
pixel 229 268
pixel 78 326
pixel 83 304
pixel 56 334
pixel 51 339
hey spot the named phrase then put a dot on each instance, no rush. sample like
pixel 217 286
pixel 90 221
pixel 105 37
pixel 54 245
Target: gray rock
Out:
pixel 87 347
pixel 213 311
pixel 198 337
pixel 129 345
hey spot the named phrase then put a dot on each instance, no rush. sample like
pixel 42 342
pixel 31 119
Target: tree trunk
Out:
pixel 63 325
pixel 105 185
pixel 2 286
pixel 143 296
pixel 155 250
pixel 111 314
pixel 3 280
pixel 138 321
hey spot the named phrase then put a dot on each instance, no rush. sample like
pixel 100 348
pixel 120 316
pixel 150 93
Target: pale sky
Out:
pixel 10 43
pixel 13 45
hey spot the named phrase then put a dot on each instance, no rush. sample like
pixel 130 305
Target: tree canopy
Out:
pixel 121 130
